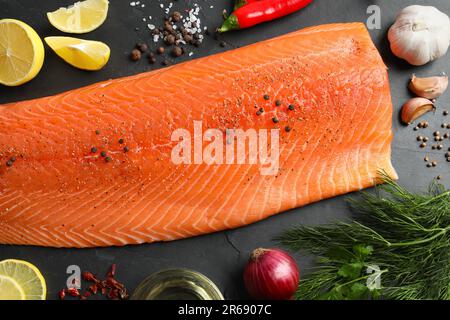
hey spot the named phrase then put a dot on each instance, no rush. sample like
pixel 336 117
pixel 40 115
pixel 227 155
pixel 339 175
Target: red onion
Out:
pixel 271 274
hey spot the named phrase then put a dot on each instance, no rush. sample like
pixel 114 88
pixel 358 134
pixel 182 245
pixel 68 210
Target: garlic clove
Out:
pixel 415 108
pixel 430 88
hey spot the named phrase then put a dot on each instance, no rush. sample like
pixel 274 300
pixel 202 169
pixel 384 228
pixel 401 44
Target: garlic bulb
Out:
pixel 420 34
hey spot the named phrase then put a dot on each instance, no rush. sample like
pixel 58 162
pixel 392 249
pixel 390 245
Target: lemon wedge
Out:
pixel 21 52
pixel 82 54
pixel 81 17
pixel 21 280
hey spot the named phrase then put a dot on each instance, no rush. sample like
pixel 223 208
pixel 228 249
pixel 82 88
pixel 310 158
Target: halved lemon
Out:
pixel 21 52
pixel 81 17
pixel 10 289
pixel 21 280
pixel 82 54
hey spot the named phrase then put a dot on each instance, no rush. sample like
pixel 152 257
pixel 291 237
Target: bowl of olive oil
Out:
pixel 177 284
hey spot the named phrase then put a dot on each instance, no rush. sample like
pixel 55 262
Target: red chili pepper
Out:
pixel 261 11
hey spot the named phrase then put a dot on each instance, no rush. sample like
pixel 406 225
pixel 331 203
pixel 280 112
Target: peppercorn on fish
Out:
pixel 95 166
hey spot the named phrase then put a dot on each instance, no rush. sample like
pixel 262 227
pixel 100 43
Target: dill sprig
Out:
pixel 409 239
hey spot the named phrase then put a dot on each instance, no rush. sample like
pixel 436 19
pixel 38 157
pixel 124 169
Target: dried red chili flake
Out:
pixel 109 287
pixel 112 271
pixel 73 292
pixel 93 288
pixel 88 276
pixel 123 294
pixel 113 293
pixel 62 294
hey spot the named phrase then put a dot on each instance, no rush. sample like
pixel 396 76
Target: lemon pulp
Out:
pixel 82 54
pixel 21 52
pixel 81 17
pixel 22 277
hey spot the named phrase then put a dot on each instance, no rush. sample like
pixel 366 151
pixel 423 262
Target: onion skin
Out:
pixel 271 274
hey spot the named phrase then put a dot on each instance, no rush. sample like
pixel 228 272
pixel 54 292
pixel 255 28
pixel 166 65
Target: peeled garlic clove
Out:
pixel 415 108
pixel 430 88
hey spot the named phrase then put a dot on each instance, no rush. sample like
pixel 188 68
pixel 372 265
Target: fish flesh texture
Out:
pixel 94 166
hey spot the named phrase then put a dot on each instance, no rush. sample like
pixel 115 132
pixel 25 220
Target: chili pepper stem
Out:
pixel 225 14
pixel 231 23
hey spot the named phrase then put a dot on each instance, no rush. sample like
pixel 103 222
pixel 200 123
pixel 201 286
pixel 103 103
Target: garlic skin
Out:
pixel 414 108
pixel 420 34
pixel 430 88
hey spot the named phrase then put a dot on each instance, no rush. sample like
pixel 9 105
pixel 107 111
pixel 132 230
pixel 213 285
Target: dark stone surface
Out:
pixel 220 256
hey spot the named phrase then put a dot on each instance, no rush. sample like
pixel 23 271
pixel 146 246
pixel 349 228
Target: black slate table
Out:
pixel 220 256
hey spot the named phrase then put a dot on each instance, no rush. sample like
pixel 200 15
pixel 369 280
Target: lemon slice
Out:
pixel 21 278
pixel 81 17
pixel 10 289
pixel 82 54
pixel 21 52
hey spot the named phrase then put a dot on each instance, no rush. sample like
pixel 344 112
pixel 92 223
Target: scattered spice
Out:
pixel 423 145
pixel 73 292
pixel 160 50
pixel 445 113
pixel 177 51
pixel 278 103
pixel 275 120
pixel 266 97
pixel 103 154
pixel 121 141
pixel 108 159
pixel 97 132
pixel 142 47
pixel 126 149
pixel 176 16
pixel 287 129
pixel 170 39
pixel 94 150
pixel 291 107
pixel 109 287
pixel 135 55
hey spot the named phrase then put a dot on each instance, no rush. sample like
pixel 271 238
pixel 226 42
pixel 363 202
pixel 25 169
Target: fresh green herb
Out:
pixel 398 247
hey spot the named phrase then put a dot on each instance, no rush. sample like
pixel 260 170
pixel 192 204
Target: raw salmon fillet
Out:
pixel 55 191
